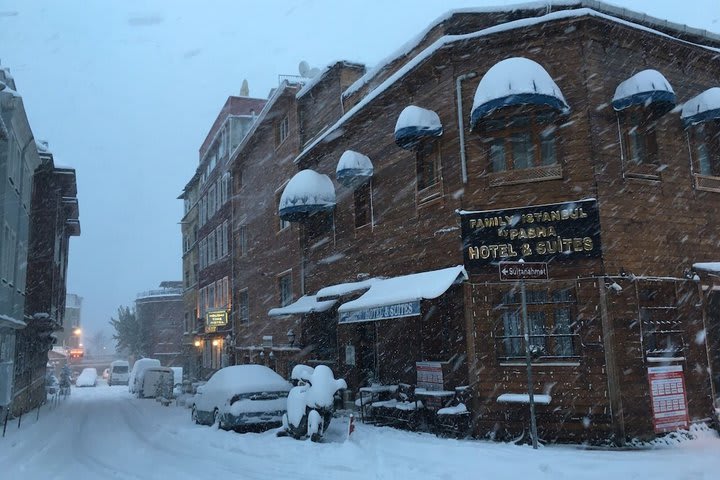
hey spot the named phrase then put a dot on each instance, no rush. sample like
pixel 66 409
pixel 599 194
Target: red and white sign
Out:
pixel 669 401
pixel 429 375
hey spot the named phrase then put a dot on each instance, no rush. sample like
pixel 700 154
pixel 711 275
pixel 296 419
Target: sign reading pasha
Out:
pixel 541 233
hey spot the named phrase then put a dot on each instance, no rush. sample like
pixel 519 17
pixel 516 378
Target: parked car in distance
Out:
pixel 87 378
pixel 138 372
pixel 157 382
pixel 242 397
pixel 119 373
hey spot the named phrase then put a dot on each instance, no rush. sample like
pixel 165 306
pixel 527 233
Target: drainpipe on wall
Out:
pixel 461 123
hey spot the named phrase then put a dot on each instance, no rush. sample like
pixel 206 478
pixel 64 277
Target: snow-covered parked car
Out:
pixel 242 396
pixel 87 378
pixel 137 374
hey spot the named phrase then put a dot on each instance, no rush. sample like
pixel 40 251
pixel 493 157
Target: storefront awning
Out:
pixel 353 169
pixel 515 81
pixel 305 304
pixel 702 108
pixel 400 296
pixel 308 192
pixel 646 88
pixel 416 124
pixel 335 291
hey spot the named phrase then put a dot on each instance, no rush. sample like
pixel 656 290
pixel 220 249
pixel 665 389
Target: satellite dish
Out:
pixel 314 72
pixel 244 89
pixel 304 69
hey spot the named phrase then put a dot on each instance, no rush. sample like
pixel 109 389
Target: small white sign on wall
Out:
pixel 350 355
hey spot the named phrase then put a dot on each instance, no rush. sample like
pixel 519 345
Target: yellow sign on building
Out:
pixel 217 318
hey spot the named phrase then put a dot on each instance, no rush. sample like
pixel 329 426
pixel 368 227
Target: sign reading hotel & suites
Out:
pixel 540 233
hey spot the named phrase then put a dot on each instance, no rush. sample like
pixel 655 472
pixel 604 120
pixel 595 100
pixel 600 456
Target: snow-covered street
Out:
pixel 104 432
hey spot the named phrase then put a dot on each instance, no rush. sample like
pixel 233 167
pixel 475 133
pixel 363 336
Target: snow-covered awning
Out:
pixel 335 291
pixel 400 296
pixel 702 108
pixel 515 81
pixel 645 88
pixel 308 192
pixel 353 169
pixel 416 124
pixel 709 267
pixel 10 322
pixel 305 304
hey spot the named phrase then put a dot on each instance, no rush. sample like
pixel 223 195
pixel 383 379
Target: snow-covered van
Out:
pixel 138 373
pixel 119 373
pixel 157 382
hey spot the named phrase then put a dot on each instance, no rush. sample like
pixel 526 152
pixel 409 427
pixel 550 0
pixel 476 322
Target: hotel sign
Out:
pixel 406 309
pixel 217 318
pixel 542 233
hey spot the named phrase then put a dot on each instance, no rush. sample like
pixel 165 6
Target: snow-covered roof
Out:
pixel 407 288
pixel 239 379
pixel 306 193
pixel 702 108
pixel 442 42
pixel 605 10
pixel 515 81
pixel 311 82
pixel 334 291
pixel 42 147
pixel 710 267
pixel 353 168
pixel 414 124
pixel 305 304
pixel 645 88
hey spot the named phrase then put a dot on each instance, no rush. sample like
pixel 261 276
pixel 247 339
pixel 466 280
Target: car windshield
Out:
pixel 361 239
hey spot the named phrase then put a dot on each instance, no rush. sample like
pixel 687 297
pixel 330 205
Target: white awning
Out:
pixel 306 193
pixel 415 124
pixel 515 81
pixel 400 296
pixel 644 88
pixel 305 304
pixel 334 291
pixel 353 169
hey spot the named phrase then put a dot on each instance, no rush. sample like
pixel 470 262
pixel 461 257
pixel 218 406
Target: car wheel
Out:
pixel 194 416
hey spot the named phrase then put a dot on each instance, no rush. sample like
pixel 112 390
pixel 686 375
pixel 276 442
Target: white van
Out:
pixel 157 382
pixel 138 372
pixel 119 373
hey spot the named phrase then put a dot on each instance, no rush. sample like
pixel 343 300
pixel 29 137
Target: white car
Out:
pixel 242 396
pixel 87 378
pixel 119 373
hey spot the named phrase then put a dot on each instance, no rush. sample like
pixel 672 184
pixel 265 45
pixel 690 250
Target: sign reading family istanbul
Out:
pixel 217 318
pixel 405 309
pixel 540 233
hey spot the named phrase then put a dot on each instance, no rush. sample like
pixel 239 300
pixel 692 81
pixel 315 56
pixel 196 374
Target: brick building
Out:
pixel 585 138
pixel 207 239
pixel 160 312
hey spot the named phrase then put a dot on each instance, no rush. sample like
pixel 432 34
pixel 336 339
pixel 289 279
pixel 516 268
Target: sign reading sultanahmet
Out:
pixel 540 233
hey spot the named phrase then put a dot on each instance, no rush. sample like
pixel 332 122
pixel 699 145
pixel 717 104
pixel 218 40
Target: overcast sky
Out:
pixel 126 91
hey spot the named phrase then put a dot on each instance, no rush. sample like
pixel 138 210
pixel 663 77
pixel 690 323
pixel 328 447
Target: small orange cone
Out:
pixel 351 427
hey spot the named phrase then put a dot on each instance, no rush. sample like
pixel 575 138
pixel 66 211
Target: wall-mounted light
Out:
pixel 198 343
pixel 216 342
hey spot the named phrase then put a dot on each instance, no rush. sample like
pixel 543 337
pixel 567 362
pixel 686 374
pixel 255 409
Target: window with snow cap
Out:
pixel 641 101
pixel 516 112
pixel 701 117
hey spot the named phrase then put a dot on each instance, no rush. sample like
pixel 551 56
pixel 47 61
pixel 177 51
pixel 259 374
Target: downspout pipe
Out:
pixel 461 122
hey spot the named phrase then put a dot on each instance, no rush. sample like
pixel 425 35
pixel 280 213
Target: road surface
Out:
pixel 105 433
